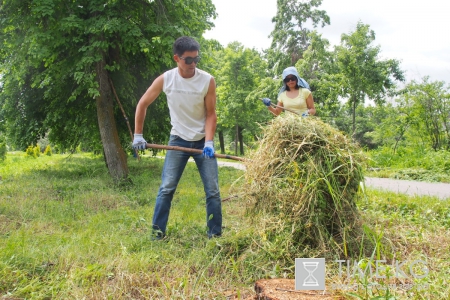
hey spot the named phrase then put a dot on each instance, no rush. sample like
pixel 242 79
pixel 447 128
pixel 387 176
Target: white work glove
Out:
pixel 208 150
pixel 139 143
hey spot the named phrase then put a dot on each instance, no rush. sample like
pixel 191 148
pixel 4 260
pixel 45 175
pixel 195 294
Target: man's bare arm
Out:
pixel 149 96
pixel 211 116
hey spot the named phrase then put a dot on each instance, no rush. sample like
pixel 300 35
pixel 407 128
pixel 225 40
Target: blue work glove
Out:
pixel 139 143
pixel 305 114
pixel 266 101
pixel 208 150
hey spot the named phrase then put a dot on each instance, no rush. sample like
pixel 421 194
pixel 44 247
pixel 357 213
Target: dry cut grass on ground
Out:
pixel 67 233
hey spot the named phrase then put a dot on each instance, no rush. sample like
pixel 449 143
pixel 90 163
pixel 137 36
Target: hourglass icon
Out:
pixel 310 267
pixel 310 274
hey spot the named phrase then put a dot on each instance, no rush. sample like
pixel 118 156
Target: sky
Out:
pixel 416 33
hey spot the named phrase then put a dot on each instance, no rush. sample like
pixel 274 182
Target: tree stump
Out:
pixel 284 289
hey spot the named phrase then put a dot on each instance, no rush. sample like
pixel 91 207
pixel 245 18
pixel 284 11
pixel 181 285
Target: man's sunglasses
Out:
pixel 188 60
pixel 287 79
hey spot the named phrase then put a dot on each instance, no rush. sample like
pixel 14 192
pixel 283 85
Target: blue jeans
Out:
pixel 174 165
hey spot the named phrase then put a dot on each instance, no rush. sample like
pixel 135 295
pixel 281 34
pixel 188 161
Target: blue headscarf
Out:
pixel 300 81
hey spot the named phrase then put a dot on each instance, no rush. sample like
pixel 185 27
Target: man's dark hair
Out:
pixel 183 44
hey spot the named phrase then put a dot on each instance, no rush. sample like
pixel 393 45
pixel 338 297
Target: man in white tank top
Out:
pixel 191 96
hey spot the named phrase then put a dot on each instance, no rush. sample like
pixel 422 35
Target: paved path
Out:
pixel 412 188
pixel 420 188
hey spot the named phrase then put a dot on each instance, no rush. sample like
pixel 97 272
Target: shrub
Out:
pixel 48 151
pixel 2 150
pixel 411 157
pixel 37 151
pixel 33 151
pixel 30 151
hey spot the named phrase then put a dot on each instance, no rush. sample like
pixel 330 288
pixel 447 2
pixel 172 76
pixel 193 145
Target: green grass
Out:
pixel 66 232
pixel 410 163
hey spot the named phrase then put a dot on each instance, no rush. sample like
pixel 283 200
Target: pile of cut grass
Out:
pixel 303 183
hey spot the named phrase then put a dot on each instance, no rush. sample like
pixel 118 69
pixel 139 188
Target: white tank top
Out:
pixel 186 100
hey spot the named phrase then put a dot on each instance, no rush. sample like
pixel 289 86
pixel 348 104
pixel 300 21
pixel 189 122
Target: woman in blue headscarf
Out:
pixel 294 95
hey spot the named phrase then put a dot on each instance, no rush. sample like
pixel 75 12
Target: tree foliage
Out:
pixel 241 70
pixel 61 60
pixel 417 118
pixel 363 73
pixel 319 67
pixel 429 104
pixel 391 124
pixel 290 37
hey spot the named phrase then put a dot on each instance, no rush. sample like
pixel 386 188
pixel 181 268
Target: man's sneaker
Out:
pixel 157 236
pixel 213 236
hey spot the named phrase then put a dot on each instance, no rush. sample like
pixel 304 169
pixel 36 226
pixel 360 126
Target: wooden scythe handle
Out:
pixel 282 107
pixel 274 105
pixel 165 147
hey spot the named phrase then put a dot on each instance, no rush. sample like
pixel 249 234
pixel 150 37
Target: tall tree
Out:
pixel 61 60
pixel 393 122
pixel 241 71
pixel 318 67
pixel 290 37
pixel 363 73
pixel 429 101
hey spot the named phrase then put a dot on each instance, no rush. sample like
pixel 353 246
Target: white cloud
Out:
pixel 414 32
pixel 247 21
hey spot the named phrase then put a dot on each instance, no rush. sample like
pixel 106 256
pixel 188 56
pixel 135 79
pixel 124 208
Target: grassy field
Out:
pixel 411 163
pixel 66 232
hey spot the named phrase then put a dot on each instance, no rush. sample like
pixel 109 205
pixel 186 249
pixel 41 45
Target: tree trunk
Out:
pixel 236 139
pixel 398 138
pixel 115 156
pixel 222 142
pixel 446 133
pixel 353 118
pixel 241 140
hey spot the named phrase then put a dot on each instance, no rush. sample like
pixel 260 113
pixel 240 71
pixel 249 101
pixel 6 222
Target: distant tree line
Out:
pixel 65 66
